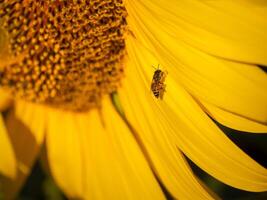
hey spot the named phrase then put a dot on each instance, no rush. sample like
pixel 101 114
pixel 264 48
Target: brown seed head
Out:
pixel 63 53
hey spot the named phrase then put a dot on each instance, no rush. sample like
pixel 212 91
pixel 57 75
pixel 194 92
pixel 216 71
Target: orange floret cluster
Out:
pixel 63 53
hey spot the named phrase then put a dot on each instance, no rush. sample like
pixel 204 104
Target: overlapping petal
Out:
pixel 25 127
pixel 94 156
pixel 235 30
pixel 5 100
pixel 34 117
pixel 7 156
pixel 203 142
pixel 210 52
pixel 144 115
pixel 234 121
pixel 186 125
pixel 232 86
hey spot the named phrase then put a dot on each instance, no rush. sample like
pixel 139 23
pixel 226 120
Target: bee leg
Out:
pixel 162 91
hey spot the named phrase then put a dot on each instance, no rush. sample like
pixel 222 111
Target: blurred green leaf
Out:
pixel 51 191
pixel 1 196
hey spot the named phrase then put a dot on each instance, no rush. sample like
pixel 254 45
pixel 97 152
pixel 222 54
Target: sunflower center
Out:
pixel 66 54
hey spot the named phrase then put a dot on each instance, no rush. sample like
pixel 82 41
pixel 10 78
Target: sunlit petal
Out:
pixel 102 160
pixel 203 142
pixel 64 152
pixel 232 86
pixel 234 121
pixel 195 133
pixel 215 80
pixel 144 114
pixel 214 27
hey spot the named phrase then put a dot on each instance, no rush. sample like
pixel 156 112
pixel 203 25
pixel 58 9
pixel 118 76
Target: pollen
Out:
pixel 62 53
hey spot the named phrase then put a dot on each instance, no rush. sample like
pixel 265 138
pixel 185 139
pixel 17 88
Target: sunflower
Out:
pixel 76 92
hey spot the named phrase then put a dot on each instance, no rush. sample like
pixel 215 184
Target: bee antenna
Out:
pixel 158 66
pixel 154 67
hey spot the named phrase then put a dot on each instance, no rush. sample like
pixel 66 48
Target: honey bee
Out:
pixel 157 85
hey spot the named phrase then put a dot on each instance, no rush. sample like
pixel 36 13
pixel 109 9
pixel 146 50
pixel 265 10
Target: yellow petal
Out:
pixel 187 126
pixel 203 142
pixel 144 114
pixel 232 86
pixel 237 88
pixel 5 100
pixel 34 117
pixel 26 145
pixel 234 121
pixel 214 27
pixel 94 156
pixel 7 161
pixel 64 152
